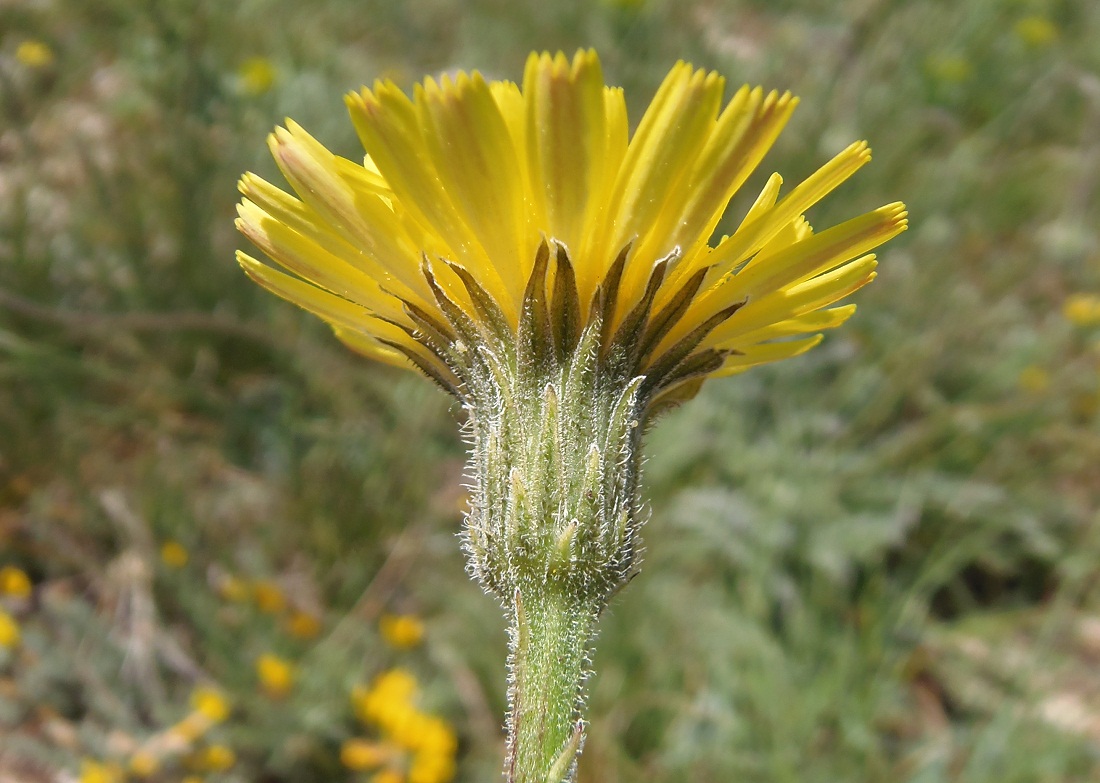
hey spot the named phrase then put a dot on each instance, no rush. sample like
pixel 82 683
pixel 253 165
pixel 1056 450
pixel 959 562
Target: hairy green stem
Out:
pixel 548 662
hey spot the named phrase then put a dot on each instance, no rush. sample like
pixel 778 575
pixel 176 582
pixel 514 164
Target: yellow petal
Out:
pixel 765 354
pixel 331 308
pixel 298 217
pixel 745 131
pixel 816 321
pixel 567 140
pixel 361 217
pixel 765 201
pixel 816 254
pixel 752 236
pixel 797 300
pixel 389 127
pixel 669 138
pixel 597 252
pixel 364 344
pixel 313 262
pixel 472 151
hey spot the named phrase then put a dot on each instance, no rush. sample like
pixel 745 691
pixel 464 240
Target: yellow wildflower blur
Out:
pixel 949 68
pixel 14 582
pixel 1082 309
pixel 303 625
pixel 1034 379
pixel 1085 405
pixel 9 630
pixel 387 776
pixel 257 75
pixel 432 768
pixel 34 54
pixel 94 772
pixel 144 764
pixel 360 754
pixel 428 742
pixel 1036 31
pixel 403 631
pixel 276 675
pixel 394 687
pixel 211 703
pixel 232 588
pixel 269 597
pixel 215 758
pixel 190 728
pixel 173 554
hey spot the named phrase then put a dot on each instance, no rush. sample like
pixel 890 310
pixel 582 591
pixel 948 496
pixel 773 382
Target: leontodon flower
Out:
pixel 556 274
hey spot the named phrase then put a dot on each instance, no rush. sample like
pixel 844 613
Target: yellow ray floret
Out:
pixel 465 180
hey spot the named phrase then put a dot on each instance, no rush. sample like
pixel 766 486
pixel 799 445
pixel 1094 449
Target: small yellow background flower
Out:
pixel 303 625
pixel 211 703
pixel 1082 309
pixel 14 582
pixel 269 597
pixel 173 554
pixel 9 630
pixel 34 54
pixel 276 675
pixel 257 75
pixel 403 631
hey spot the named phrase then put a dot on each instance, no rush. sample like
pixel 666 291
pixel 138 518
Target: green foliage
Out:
pixel 876 562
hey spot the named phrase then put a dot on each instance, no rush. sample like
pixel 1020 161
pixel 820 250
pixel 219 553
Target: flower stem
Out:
pixel 548 662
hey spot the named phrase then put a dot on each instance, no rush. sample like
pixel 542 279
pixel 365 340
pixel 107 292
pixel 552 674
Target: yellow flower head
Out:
pixel 95 772
pixel 269 597
pixel 403 631
pixel 276 675
pixel 523 214
pixel 396 684
pixel 432 768
pixel 232 588
pixel 1033 379
pixel 387 776
pixel 173 554
pixel 387 701
pixel 1036 31
pixel 14 582
pixel 437 738
pixel 9 631
pixel 303 625
pixel 34 54
pixel 192 726
pixel 211 703
pixel 257 75
pixel 144 764
pixel 215 758
pixel 1082 309
pixel 949 68
pixel 361 754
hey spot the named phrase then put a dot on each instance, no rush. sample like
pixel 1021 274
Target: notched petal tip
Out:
pixel 354 101
pixel 898 215
pixel 252 266
pixel 247 183
pixel 294 128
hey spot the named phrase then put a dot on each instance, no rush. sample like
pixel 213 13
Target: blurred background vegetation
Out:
pixel 229 546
